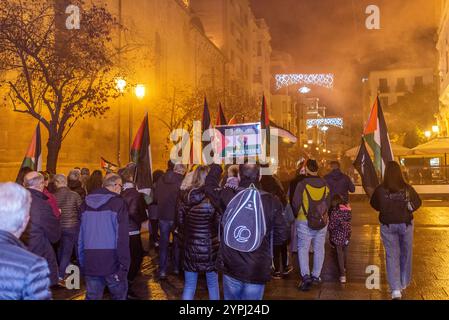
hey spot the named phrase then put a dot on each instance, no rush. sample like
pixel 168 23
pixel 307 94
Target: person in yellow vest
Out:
pixel 311 202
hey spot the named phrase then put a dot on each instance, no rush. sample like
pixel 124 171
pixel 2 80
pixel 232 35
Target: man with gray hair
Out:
pixel 69 202
pixel 23 275
pixel 44 229
pixel 103 245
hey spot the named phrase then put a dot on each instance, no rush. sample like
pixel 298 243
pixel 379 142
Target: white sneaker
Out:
pixel 342 279
pixel 396 295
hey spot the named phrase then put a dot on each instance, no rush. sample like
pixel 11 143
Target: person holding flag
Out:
pixel 396 201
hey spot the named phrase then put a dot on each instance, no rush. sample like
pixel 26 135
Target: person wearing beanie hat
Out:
pixel 311 194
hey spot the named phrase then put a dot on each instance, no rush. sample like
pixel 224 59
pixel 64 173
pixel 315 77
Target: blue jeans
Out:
pixel 118 288
pixel 234 289
pixel 191 279
pixel 306 236
pixel 398 243
pixel 69 237
pixel 166 228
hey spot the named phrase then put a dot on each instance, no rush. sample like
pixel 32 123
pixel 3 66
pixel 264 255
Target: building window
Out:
pixel 419 82
pixel 383 85
pixel 384 101
pixel 401 86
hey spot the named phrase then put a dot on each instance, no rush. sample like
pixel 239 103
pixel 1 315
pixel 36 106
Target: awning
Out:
pixel 398 151
pixel 436 146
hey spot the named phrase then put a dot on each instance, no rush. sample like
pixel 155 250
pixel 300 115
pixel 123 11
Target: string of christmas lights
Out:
pixel 322 80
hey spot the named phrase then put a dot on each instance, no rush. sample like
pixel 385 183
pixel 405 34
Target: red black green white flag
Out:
pixel 141 156
pixel 221 119
pixel 376 135
pixel 108 166
pixel 33 156
pixel 364 165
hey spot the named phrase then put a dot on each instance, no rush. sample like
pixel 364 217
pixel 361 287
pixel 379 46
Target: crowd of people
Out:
pixel 48 222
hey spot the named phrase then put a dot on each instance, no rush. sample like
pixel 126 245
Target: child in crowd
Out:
pixel 340 231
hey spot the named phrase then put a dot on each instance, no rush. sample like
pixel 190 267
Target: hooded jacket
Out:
pixel 23 275
pixel 166 195
pixel 317 188
pixel 339 183
pixel 103 243
pixel 197 225
pixel 393 207
pixel 43 230
pixel 249 267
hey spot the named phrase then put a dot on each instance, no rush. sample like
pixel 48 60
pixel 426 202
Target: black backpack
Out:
pixel 317 217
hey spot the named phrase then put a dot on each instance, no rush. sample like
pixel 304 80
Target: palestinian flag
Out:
pixel 365 168
pixel 33 156
pixel 233 121
pixel 376 135
pixel 141 156
pixel 221 119
pixel 284 133
pixel 108 166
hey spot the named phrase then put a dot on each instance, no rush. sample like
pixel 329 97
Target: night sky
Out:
pixel 330 36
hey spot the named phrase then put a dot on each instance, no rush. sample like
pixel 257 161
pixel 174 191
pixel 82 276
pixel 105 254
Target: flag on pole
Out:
pixel 365 167
pixel 265 124
pixel 233 121
pixel 376 135
pixel 221 119
pixel 33 156
pixel 205 125
pixel 108 166
pixel 141 156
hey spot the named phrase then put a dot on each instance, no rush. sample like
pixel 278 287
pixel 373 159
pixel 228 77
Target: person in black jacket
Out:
pixel 44 228
pixel 153 217
pixel 281 238
pixel 137 213
pixel 166 196
pixel 245 274
pixel 396 201
pixel 23 275
pixel 197 226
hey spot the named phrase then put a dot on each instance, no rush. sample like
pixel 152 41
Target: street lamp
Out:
pixel 140 91
pixel 427 134
pixel 436 129
pixel 306 146
pixel 120 85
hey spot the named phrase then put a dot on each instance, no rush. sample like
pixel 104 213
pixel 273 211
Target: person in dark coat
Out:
pixel 339 183
pixel 70 202
pixel 74 183
pixel 23 275
pixel 245 274
pixel 94 182
pixel 197 226
pixel 103 245
pixel 153 217
pixel 281 238
pixel 137 213
pixel 396 201
pixel 44 228
pixel 166 196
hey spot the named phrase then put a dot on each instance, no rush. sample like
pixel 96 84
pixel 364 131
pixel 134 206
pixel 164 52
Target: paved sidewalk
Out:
pixel 430 274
